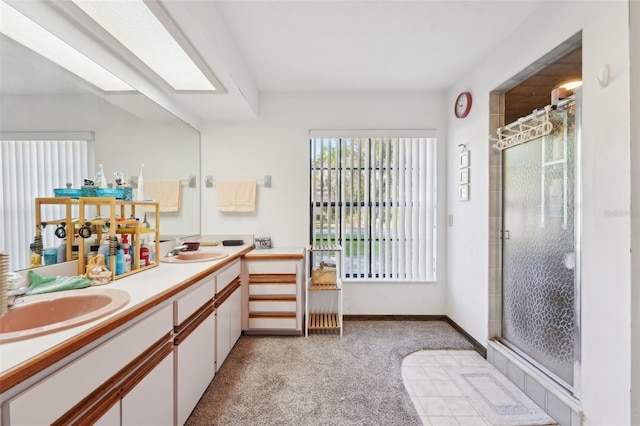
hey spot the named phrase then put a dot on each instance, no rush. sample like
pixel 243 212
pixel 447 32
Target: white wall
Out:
pixel 169 149
pixel 606 187
pixel 277 144
pixel 635 208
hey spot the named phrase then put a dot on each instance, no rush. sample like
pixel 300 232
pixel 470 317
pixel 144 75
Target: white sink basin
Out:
pixel 42 314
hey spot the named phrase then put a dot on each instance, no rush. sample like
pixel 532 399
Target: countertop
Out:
pixel 23 359
pixel 275 254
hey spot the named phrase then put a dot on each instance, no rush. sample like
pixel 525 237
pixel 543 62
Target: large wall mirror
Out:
pixel 38 96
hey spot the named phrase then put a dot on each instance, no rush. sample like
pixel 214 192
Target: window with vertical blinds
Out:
pixel 376 197
pixel 31 169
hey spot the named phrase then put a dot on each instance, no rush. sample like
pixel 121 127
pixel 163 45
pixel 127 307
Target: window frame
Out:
pixel 371 206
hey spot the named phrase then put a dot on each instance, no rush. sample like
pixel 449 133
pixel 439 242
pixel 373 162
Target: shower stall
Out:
pixel 540 241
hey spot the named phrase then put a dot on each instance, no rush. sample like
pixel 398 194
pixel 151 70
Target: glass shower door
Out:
pixel 538 258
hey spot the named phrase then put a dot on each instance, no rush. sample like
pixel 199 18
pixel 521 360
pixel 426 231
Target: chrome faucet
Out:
pixel 13 295
pixel 180 246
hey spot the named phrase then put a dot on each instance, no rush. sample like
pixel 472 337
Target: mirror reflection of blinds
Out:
pixel 32 169
pixel 375 196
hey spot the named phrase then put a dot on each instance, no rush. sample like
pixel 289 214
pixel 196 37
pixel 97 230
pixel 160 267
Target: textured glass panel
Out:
pixel 539 247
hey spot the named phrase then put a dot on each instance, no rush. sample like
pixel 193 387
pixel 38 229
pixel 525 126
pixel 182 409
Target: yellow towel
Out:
pixel 168 193
pixel 236 195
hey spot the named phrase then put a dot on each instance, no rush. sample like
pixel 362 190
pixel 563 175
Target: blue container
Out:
pixel 67 192
pixel 109 192
pixel 89 191
pixel 50 256
pixel 127 193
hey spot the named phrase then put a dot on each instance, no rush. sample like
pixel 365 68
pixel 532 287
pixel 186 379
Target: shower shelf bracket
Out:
pixel 524 129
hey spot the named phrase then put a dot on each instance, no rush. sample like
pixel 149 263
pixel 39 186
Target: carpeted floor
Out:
pixel 322 379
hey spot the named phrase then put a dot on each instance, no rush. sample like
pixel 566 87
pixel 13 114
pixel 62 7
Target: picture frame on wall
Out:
pixel 464 193
pixel 464 176
pixel 464 159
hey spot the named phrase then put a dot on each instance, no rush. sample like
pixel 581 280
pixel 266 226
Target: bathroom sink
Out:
pixel 42 314
pixel 195 256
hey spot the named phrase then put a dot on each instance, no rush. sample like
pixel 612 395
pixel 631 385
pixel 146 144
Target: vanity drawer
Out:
pixel 266 321
pixel 271 267
pixel 282 304
pixel 272 289
pixel 265 284
pixel 227 275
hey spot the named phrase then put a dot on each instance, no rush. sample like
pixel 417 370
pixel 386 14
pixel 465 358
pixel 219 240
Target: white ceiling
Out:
pixel 367 45
pixel 304 45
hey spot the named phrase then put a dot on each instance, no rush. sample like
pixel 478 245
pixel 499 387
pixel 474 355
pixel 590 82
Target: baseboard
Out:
pixel 482 350
pixel 394 317
pixel 476 345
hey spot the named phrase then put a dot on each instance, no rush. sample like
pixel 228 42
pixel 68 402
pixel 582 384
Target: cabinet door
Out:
pixel 195 367
pixel 223 332
pixel 58 393
pixel 150 402
pixel 235 316
pixel 110 418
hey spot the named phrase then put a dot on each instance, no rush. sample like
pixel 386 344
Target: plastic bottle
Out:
pixel 74 252
pixel 127 260
pixel 144 253
pixel 62 251
pixel 75 247
pixel 104 250
pixel 152 252
pixel 93 252
pixel 100 181
pixel 140 192
pixel 120 262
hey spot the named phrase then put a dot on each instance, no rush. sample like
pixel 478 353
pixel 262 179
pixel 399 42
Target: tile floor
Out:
pixel 437 398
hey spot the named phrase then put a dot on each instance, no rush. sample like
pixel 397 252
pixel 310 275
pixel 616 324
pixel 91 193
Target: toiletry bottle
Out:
pixel 127 260
pixel 62 251
pixel 140 192
pixel 74 247
pixel 93 252
pixel 144 253
pixel 152 252
pixel 100 181
pixel 74 252
pixel 120 262
pixel 104 250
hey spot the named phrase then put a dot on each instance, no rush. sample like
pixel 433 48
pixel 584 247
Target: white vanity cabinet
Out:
pixel 126 374
pixel 150 401
pixel 272 288
pixel 195 328
pixel 227 302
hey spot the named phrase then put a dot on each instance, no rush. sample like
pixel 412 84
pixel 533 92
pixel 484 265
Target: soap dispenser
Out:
pixel 100 181
pixel 140 192
pixel 120 262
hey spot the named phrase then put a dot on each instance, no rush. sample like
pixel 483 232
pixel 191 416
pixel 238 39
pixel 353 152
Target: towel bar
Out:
pixel 190 181
pixel 266 181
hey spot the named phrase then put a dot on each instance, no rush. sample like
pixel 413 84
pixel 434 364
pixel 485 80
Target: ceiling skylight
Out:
pixel 31 35
pixel 134 25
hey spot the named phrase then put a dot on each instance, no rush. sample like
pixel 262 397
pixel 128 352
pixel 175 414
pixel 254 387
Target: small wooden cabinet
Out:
pixel 273 299
pixel 323 287
pixel 104 216
pixel 121 218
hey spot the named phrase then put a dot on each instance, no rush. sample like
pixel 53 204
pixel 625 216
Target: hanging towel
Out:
pixel 168 193
pixel 236 195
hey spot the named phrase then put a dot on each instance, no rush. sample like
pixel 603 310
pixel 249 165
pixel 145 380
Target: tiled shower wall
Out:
pixel 496 120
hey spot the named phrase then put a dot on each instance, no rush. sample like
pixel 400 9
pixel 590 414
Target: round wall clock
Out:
pixel 463 105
